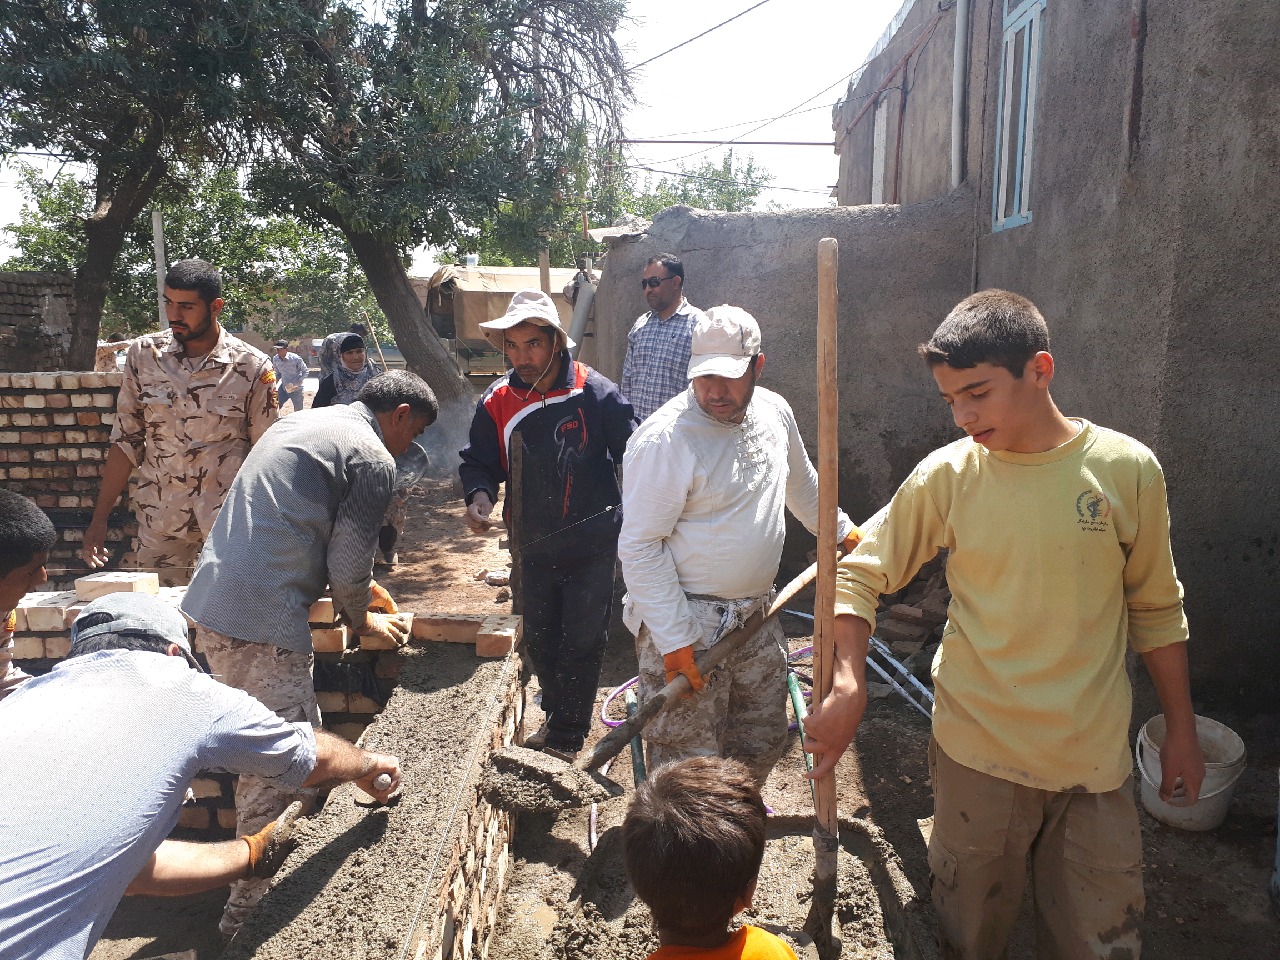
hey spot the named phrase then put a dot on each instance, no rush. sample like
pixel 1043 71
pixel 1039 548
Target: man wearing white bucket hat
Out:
pixel 573 425
pixel 706 483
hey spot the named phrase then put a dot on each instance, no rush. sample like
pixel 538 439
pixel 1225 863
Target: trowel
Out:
pixel 578 783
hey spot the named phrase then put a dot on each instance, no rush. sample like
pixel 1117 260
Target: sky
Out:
pixel 771 60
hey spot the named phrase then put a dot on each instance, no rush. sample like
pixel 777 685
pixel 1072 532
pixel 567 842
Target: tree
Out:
pixel 600 188
pixel 417 128
pixel 283 277
pixel 126 89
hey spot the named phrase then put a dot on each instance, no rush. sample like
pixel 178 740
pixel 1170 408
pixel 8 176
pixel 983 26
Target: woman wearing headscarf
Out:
pixel 353 371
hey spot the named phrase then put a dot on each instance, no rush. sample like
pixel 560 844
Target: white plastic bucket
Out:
pixel 1224 757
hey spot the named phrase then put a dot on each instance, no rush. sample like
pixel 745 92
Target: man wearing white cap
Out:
pixel 95 762
pixel 573 425
pixel 707 480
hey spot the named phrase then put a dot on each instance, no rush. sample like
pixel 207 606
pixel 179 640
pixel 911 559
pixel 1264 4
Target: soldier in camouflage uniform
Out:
pixel 193 401
pixel 706 481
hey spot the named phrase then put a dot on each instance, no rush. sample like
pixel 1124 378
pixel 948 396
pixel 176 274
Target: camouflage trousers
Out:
pixel 281 680
pixel 740 713
pixel 170 549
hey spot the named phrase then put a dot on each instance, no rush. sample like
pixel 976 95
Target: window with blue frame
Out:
pixel 1015 128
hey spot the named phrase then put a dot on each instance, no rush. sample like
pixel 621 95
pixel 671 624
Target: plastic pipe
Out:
pixel 604 707
pixel 959 68
pixel 638 773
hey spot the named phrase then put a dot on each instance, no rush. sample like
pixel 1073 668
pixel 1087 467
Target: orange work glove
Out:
pixel 681 661
pixel 852 540
pixel 381 602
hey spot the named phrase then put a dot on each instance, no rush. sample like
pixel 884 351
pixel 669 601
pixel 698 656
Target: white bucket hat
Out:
pixel 724 343
pixel 527 306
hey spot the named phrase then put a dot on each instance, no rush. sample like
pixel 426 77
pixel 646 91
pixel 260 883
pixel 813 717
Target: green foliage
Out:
pixel 598 183
pixel 282 277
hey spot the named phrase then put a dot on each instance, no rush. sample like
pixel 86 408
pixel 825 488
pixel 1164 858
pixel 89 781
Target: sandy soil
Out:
pixel 1206 893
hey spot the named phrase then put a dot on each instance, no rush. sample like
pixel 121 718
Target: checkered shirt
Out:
pixel 657 363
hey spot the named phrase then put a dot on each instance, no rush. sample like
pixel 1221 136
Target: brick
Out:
pixel 116 581
pixel 359 703
pixel 911 614
pixel 459 628
pixel 351 730
pixel 57 401
pixel 331 701
pixel 68 502
pixel 322 612
pixel 81 400
pixel 64 419
pixel 28 648
pixel 69 381
pixel 329 639
pixel 45 381
pixel 9 436
pixel 227 818
pixel 194 818
pixel 205 788
pixel 34 401
pixel 105 400
pixel 46 612
pixel 88 419
pixel 21 381
pixel 498 636
pixel 56 648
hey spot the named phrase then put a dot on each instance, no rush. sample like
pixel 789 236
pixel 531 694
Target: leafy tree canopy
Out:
pixel 283 278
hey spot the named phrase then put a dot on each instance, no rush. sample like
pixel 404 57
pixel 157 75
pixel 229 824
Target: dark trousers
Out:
pixel 285 397
pixel 567 600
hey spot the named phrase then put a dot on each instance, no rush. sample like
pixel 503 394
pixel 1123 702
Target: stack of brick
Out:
pixel 354 677
pixel 37 311
pixel 911 621
pixel 55 431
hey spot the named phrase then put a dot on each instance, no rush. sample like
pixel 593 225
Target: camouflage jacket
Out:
pixel 187 432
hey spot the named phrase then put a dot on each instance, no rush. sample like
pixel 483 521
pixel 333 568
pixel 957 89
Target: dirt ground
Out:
pixel 1206 893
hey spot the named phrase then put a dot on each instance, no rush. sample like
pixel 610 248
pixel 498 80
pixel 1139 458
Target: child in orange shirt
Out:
pixel 692 844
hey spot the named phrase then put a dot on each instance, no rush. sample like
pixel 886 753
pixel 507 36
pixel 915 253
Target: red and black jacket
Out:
pixel 574 436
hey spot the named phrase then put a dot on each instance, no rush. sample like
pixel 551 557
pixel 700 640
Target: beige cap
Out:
pixel 724 343
pixel 527 306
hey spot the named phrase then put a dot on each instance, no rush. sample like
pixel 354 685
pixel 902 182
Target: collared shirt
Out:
pixel 188 426
pixel 304 511
pixel 95 762
pixel 656 367
pixel 703 509
pixel 290 371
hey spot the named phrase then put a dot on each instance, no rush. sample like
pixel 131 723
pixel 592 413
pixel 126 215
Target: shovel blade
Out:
pixel 527 780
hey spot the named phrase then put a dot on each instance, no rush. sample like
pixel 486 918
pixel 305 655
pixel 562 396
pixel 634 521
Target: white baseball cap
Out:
pixel 724 343
pixel 527 306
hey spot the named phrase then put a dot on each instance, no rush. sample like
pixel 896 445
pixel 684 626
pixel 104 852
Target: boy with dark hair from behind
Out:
pixel 1059 558
pixel 693 841
pixel 26 537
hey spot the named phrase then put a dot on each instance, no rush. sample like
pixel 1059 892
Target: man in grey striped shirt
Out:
pixel 303 511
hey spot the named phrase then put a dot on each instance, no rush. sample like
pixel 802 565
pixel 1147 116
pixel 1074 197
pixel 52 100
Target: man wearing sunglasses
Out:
pixel 659 342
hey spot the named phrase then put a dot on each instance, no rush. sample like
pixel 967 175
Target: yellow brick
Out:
pixel 331 701
pixel 458 628
pixel 45 381
pixel 28 648
pixel 378 643
pixel 194 818
pixel 227 818
pixel 47 612
pixel 329 640
pixel 348 731
pixel 56 648
pixel 498 636
pixel 116 581
pixel 204 787
pixel 359 703
pixel 322 611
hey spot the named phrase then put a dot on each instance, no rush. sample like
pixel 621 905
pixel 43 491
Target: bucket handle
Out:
pixel 1142 768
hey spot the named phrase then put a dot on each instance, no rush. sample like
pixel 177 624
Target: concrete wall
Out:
pixel 1152 250
pixel 767 263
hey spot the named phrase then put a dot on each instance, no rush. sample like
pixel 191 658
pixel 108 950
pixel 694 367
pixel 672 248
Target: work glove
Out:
pixel 270 845
pixel 381 602
pixel 681 661
pixel 852 540
pixel 388 626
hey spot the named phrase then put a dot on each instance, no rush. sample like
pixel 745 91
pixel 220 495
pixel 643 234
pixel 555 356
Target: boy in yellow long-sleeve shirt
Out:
pixel 1058 540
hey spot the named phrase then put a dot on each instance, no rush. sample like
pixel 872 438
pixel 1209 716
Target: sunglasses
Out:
pixel 654 282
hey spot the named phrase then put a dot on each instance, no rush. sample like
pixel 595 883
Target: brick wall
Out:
pixel 36 315
pixel 55 430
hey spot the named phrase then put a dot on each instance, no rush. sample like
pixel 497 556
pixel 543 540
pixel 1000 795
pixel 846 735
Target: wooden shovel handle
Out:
pixel 613 742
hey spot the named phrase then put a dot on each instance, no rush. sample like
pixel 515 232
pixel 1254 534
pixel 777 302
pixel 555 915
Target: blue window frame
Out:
pixel 1015 127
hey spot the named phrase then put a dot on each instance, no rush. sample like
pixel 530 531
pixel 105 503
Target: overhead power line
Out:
pixel 703 177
